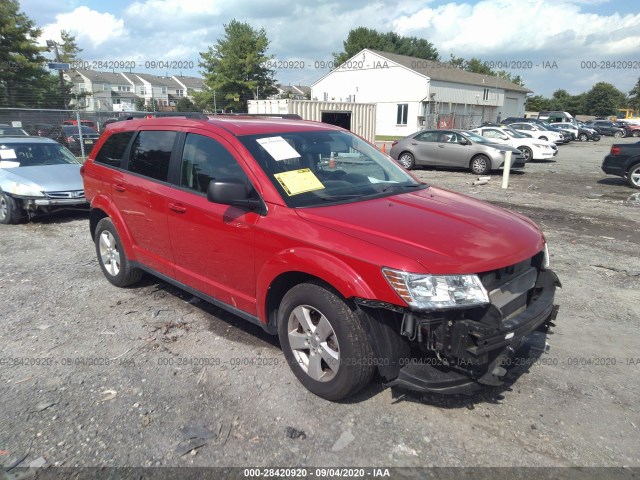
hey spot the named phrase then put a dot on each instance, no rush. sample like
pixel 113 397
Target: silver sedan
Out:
pixel 454 149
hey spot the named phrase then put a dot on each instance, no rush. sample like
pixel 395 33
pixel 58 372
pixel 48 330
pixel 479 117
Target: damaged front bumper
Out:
pixel 467 351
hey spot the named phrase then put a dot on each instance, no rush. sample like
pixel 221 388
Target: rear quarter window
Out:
pixel 151 153
pixel 113 149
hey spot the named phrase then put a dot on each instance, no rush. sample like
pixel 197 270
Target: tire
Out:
pixel 10 209
pixel 111 256
pixel 338 360
pixel 635 133
pixel 633 176
pixel 583 137
pixel 480 165
pixel 618 134
pixel 596 138
pixel 407 160
pixel 526 151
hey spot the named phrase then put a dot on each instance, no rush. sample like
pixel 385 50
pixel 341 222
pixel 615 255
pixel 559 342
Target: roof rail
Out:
pixel 193 115
pixel 290 116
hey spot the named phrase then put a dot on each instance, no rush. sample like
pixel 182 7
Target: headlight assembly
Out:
pixel 26 190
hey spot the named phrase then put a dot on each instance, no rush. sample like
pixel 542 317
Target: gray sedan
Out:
pixel 454 149
pixel 37 175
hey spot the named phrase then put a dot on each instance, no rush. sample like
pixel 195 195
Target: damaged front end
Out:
pixel 457 349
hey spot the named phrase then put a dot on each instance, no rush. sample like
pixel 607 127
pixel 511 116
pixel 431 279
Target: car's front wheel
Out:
pixel 633 175
pixel 406 160
pixel 480 165
pixel 583 137
pixel 618 134
pixel 635 133
pixel 324 341
pixel 111 256
pixel 526 151
pixel 10 209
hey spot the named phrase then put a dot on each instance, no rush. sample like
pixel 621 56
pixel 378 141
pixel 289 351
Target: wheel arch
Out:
pixel 102 207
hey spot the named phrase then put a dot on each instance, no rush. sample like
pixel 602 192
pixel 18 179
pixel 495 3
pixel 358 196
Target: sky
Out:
pixel 551 44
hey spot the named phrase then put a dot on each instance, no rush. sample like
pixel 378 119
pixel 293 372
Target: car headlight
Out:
pixel 540 145
pixel 433 292
pixel 26 190
pixel 546 261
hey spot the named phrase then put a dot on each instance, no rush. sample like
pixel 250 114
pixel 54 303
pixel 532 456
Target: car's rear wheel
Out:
pixel 324 341
pixel 635 133
pixel 10 209
pixel 111 256
pixel 633 175
pixel 480 165
pixel 406 160
pixel 526 151
pixel 583 137
pixel 596 138
pixel 618 134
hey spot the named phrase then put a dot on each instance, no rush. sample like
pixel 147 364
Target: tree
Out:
pixel 185 105
pixel 390 42
pixel 634 97
pixel 140 104
pixel 236 67
pixel 21 60
pixel 537 103
pixel 68 48
pixel 604 99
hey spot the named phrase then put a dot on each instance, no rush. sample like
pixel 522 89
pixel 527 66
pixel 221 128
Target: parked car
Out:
pixel 565 137
pixel 453 149
pixel 630 129
pixel 605 127
pixel 39 129
pixel 69 136
pixel 624 161
pixel 570 128
pixel 532 149
pixel 538 131
pixel 579 132
pixel 85 123
pixel 314 234
pixel 13 132
pixel 37 175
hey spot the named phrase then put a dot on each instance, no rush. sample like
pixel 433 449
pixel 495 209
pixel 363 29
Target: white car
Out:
pixel 537 131
pixel 531 148
pixel 569 127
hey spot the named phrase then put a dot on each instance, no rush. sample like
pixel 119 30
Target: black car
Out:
pixel 69 136
pixel 605 127
pixel 39 129
pixel 624 161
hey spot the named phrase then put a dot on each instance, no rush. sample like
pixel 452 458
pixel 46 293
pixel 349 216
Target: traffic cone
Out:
pixel 384 147
pixel 332 162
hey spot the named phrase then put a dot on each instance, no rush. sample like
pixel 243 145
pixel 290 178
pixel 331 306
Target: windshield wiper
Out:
pixel 397 185
pixel 344 196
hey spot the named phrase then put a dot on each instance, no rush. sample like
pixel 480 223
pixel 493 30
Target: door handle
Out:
pixel 119 188
pixel 177 207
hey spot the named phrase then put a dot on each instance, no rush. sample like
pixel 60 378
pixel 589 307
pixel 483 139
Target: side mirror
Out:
pixel 464 141
pixel 232 191
pixel 504 137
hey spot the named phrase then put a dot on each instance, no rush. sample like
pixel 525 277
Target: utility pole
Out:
pixel 54 45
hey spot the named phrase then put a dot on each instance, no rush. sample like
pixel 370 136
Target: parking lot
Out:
pixel 151 376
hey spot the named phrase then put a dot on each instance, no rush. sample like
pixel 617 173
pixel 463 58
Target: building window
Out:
pixel 485 94
pixel 164 90
pixel 142 91
pixel 326 97
pixel 401 118
pixel 180 93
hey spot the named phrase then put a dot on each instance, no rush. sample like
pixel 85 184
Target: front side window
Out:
pixel 205 159
pixel 320 167
pixel 401 117
pixel 151 153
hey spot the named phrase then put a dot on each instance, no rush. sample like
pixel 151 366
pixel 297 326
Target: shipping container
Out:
pixel 360 118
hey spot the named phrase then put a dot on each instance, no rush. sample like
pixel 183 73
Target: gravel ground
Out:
pixel 141 376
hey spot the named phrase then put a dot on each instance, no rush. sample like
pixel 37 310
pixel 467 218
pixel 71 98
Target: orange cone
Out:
pixel 384 147
pixel 332 162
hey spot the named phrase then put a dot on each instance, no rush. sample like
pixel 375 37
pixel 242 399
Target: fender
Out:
pixel 103 202
pixel 318 263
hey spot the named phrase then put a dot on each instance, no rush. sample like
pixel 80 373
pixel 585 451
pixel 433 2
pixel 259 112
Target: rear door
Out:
pixel 141 195
pixel 424 146
pixel 213 244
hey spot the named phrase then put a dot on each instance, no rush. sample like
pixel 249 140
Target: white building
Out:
pixel 411 93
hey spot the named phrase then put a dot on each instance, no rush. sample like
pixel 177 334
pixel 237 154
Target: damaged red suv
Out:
pixel 312 233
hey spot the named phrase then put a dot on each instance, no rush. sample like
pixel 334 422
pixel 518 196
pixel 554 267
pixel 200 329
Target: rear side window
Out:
pixel 113 149
pixel 151 152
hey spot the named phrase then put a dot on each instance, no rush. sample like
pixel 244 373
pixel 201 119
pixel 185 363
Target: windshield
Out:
pixel 514 134
pixel 317 168
pixel 13 155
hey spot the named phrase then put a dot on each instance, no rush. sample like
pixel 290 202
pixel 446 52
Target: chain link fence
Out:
pixel 452 120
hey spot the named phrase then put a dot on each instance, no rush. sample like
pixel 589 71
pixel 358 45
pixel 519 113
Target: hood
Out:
pixel 445 232
pixel 50 178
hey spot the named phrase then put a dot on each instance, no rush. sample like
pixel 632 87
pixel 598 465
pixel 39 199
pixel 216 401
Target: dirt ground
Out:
pixel 141 376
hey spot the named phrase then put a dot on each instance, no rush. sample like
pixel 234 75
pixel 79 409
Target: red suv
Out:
pixel 314 234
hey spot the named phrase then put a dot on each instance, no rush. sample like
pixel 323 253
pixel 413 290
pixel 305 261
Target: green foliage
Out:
pixel 185 105
pixel 390 42
pixel 537 103
pixel 22 76
pixel 235 67
pixel 603 100
pixel 634 97
pixel 140 104
pixel 475 65
pixel 68 49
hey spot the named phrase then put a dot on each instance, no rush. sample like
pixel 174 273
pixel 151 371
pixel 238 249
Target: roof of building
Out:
pixel 294 89
pixel 102 77
pixel 447 73
pixel 156 80
pixel 190 82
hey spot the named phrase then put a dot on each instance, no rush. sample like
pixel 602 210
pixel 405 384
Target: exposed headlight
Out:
pixel 25 190
pixel 546 262
pixel 433 292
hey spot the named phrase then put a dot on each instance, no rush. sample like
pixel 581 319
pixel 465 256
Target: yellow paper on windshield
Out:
pixel 300 181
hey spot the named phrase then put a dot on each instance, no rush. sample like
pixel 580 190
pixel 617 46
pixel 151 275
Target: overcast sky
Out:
pixel 573 38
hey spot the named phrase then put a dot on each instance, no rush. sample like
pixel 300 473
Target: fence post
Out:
pixel 506 170
pixel 80 133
